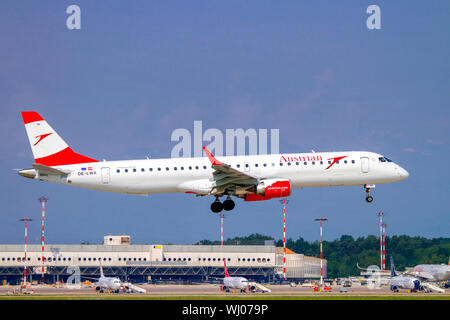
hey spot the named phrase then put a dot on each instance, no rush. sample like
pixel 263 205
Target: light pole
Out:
pixel 284 202
pixel 25 250
pixel 42 200
pixel 222 215
pixel 321 219
pixel 384 246
pixel 381 214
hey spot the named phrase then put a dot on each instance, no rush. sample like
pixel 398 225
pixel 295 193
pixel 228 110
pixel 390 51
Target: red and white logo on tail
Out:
pixel 48 147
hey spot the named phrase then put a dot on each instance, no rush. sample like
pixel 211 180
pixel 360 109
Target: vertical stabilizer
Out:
pixel 225 267
pixel 393 273
pixel 47 146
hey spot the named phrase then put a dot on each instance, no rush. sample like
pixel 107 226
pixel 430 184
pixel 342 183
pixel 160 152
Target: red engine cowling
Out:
pixel 271 188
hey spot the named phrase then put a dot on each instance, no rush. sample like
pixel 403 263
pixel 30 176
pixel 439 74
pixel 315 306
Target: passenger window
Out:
pixel 142 170
pixel 118 171
pixel 321 162
pixel 134 170
pixel 204 167
pixel 151 169
pixel 256 165
pixel 345 161
pixel 126 170
pixel 297 163
pixel 159 169
pixel 353 161
pixel 196 167
pixel 265 164
pixel 190 168
pixel 175 168
pixel 305 163
pixel 167 168
pixel 281 164
pixel 313 163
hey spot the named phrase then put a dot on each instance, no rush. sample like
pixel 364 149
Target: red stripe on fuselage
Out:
pixel 64 157
pixel 31 116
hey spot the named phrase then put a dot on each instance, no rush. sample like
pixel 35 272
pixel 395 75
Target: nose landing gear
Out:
pixel 218 206
pixel 368 187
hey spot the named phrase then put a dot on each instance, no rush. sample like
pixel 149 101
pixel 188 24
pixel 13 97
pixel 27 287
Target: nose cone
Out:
pixel 403 173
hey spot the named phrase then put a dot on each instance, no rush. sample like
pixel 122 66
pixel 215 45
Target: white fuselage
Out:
pixel 433 272
pixel 109 283
pixel 405 282
pixel 195 175
pixel 235 283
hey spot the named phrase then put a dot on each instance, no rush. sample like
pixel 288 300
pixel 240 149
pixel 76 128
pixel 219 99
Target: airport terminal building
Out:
pixel 153 263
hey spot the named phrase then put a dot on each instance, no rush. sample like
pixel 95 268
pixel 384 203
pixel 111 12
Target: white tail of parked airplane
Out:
pixel 252 178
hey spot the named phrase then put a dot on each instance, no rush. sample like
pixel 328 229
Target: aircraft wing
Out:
pixel 420 275
pixel 40 168
pixel 225 176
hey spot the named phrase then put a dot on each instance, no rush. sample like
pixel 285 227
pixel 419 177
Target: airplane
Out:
pixel 108 284
pixel 251 178
pixel 403 282
pixel 432 272
pixel 235 283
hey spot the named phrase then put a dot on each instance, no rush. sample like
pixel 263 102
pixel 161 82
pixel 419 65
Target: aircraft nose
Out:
pixel 403 173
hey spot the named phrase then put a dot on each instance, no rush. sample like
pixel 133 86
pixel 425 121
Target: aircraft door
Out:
pixel 106 178
pixel 364 164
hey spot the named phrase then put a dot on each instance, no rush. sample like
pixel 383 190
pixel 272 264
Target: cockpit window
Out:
pixel 384 159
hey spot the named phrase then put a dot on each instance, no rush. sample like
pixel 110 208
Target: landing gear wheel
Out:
pixel 228 204
pixel 216 206
pixel 368 187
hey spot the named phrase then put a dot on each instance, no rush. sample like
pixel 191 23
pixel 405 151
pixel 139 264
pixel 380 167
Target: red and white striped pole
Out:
pixel 384 246
pixel 321 219
pixel 284 202
pixel 43 200
pixel 25 250
pixel 221 228
pixel 380 214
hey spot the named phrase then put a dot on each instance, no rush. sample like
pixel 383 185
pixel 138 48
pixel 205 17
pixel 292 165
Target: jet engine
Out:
pixel 270 188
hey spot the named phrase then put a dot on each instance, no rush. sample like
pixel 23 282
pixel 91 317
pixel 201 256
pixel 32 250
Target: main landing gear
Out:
pixel 368 187
pixel 218 206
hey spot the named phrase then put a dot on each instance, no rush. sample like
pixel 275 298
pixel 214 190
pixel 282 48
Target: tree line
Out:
pixel 344 253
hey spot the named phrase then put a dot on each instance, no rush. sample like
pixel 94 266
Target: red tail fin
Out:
pixel 226 270
pixel 48 147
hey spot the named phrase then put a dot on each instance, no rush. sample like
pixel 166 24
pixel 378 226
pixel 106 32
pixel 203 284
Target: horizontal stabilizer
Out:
pixel 40 168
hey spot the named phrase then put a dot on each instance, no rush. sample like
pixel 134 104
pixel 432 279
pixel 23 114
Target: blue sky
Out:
pixel 117 88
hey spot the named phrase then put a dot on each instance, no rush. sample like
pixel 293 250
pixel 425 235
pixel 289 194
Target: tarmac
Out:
pixel 212 291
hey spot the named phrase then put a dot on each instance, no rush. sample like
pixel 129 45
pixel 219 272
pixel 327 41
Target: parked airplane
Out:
pixel 432 272
pixel 112 284
pixel 403 282
pixel 235 283
pixel 252 178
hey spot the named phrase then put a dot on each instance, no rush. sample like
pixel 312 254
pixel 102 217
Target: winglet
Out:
pixel 211 158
